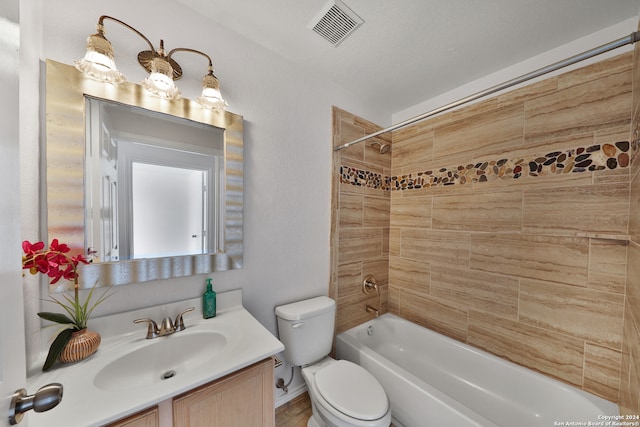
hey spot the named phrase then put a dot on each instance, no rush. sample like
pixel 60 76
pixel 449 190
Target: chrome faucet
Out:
pixel 167 326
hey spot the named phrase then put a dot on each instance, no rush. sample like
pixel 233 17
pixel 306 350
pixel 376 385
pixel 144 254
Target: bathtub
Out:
pixel 435 381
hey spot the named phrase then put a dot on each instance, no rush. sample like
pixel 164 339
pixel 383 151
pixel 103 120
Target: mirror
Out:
pixel 98 165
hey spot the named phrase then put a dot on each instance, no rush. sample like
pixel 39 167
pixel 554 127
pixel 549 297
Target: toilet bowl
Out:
pixel 344 394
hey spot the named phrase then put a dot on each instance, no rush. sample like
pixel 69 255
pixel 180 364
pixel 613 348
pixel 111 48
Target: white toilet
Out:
pixel 342 393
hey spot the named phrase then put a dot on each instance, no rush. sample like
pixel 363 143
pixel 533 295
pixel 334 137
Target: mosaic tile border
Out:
pixel 594 158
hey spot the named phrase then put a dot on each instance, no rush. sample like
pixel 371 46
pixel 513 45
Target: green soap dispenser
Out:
pixel 209 302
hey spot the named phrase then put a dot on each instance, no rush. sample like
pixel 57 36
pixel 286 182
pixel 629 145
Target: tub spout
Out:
pixel 372 310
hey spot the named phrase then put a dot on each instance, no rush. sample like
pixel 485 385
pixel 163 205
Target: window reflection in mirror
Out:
pixel 153 184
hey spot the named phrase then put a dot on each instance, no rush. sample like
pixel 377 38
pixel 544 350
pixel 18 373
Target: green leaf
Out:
pixel 56 348
pixel 56 317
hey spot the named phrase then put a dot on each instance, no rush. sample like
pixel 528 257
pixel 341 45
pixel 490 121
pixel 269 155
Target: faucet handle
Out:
pixel 178 325
pixel 152 330
pixel 166 327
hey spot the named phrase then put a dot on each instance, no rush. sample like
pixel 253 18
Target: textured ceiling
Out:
pixel 408 51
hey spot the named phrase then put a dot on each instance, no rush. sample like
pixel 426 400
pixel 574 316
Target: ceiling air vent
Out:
pixel 335 22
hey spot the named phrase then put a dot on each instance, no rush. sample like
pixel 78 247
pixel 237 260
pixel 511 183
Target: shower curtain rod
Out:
pixel 631 39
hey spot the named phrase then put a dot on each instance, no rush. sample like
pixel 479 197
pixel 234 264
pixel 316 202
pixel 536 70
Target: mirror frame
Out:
pixel 65 92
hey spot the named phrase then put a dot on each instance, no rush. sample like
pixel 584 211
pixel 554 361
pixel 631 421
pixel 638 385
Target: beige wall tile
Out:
pixel 411 212
pixel 611 176
pixel 633 279
pixel 620 64
pixel 385 241
pixel 470 110
pixel 412 147
pixel 475 290
pixel 602 371
pixel 350 210
pixel 434 246
pixel 553 354
pixel 356 244
pixel 376 211
pixel 530 91
pixel 394 300
pixel 384 299
pixel 434 314
pixel 630 370
pixel 607 265
pixel 555 259
pixel 395 241
pixel 349 279
pixel 636 80
pixel 586 314
pixel 347 131
pixel 410 275
pixel 488 132
pixel 634 218
pixel 600 208
pixel 481 211
pixel 580 108
pixel 607 135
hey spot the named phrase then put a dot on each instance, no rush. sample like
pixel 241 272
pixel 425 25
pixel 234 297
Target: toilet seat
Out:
pixel 352 390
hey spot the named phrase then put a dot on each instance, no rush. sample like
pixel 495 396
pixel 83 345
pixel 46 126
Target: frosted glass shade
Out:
pixel 98 62
pixel 211 97
pixel 160 81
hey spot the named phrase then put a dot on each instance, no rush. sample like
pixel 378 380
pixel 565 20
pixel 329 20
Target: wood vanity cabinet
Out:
pixel 146 418
pixel 243 398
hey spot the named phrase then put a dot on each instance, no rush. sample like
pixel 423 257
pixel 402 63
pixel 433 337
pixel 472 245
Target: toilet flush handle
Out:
pixel 297 325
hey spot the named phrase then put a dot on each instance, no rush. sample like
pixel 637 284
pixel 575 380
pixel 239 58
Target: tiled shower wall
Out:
pixel 360 220
pixel 630 378
pixel 520 248
pixel 508 226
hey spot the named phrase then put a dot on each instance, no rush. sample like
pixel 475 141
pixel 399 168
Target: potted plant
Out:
pixel 74 341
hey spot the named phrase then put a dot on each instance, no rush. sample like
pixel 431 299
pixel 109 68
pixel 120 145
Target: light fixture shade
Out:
pixel 160 81
pixel 98 62
pixel 211 97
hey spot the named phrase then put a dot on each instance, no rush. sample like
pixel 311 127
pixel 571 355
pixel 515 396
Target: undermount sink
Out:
pixel 160 359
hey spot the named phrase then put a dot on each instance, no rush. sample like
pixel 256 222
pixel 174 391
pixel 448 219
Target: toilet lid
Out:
pixel 352 390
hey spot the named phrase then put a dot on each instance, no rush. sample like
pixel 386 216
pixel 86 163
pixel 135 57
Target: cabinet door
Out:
pixel 244 398
pixel 146 418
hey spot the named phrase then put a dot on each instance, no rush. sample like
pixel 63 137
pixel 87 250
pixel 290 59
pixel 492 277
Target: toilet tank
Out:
pixel 306 329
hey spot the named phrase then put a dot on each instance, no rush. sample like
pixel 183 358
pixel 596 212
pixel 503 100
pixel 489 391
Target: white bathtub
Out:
pixel 435 381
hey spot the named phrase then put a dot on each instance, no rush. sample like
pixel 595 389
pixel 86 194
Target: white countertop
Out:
pixel 85 405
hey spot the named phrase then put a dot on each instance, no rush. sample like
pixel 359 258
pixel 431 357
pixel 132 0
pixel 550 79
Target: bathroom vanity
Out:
pixel 243 398
pixel 218 369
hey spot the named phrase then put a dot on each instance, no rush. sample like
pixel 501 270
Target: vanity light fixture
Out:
pixel 99 64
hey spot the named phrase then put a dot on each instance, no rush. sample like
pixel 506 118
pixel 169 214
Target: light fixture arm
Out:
pixel 186 49
pixel 100 28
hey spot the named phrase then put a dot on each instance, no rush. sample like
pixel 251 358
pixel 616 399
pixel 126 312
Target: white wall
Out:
pixel 288 152
pixel 558 54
